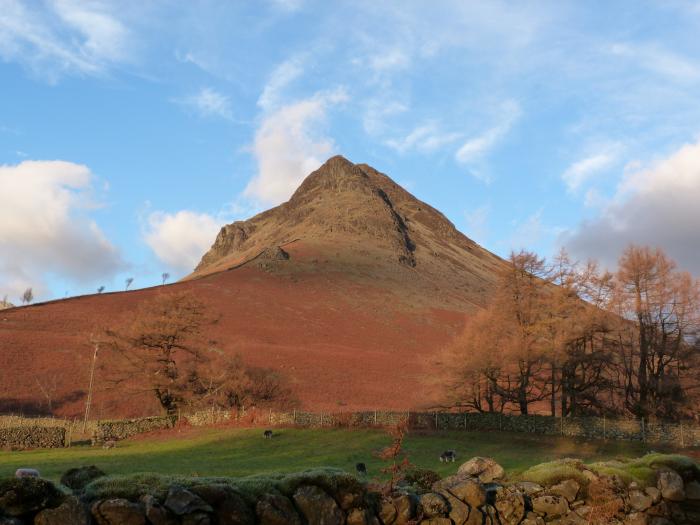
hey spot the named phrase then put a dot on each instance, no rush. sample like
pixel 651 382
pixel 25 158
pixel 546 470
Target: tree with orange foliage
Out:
pixel 658 340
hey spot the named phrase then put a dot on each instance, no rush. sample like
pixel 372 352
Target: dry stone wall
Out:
pixel 32 437
pixel 476 495
pixel 678 434
pixel 122 429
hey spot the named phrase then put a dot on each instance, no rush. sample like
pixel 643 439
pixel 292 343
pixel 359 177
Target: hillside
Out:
pixel 349 289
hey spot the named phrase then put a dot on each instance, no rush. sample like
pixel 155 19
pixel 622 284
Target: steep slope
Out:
pixel 349 289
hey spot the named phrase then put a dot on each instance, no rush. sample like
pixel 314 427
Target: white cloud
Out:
pixel 66 36
pixel 477 147
pixel 289 144
pixel 657 206
pixel 209 103
pixel 425 138
pixel 180 239
pixel 584 169
pixel 45 228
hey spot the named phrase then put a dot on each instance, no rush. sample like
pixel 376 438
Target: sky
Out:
pixel 130 132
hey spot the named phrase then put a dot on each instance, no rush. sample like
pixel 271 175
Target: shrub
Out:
pixel 421 479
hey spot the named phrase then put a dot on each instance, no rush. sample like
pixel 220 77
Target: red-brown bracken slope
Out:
pixel 349 289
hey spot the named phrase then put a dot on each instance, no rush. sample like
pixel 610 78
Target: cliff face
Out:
pixel 356 219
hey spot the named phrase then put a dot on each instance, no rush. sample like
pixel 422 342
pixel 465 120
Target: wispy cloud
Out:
pixel 477 147
pixel 284 74
pixel 658 59
pixel 208 102
pixel 425 138
pixel 581 171
pixel 65 37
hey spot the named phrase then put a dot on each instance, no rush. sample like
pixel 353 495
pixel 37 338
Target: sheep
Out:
pixel 448 456
pixel 267 434
pixel 361 469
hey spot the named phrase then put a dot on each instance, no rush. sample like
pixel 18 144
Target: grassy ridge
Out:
pixel 243 452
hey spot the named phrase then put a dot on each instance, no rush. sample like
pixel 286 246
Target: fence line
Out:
pixel 681 434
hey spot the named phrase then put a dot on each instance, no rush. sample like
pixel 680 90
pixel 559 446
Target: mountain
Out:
pixel 352 220
pixel 349 290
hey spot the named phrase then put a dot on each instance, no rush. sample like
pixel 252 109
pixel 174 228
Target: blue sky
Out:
pixel 130 132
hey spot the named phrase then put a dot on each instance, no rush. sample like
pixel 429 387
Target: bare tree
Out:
pixel 28 296
pixel 128 282
pixel 100 289
pixel 165 277
pixel 163 350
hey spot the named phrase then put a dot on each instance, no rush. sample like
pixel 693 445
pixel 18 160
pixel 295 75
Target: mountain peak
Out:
pixel 354 219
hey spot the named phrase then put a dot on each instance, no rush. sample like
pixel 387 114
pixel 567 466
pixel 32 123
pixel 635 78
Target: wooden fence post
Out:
pixel 436 421
pixel 375 418
pixel 465 421
pixel 682 440
pixel 294 417
pixel 604 433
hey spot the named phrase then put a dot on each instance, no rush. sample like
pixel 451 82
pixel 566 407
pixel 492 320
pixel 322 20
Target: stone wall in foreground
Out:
pixel 476 495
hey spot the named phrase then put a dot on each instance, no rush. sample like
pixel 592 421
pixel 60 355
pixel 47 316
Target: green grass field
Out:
pixel 242 452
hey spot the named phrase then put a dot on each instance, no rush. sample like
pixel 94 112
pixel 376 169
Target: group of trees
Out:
pixel 575 340
pixel 164 350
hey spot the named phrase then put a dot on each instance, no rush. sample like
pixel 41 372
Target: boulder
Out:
pixel 550 506
pixel 156 513
pixel 433 505
pixel 78 478
pixel 636 518
pixel 405 509
pixel 387 512
pixel 532 519
pixel 181 501
pixel 118 512
pixel 27 473
pixel 510 504
pixel 275 509
pixel 459 511
pixel 361 517
pixel 70 512
pixel 317 506
pixel 437 521
pixel 233 510
pixel 692 490
pixel 568 489
pixel 528 487
pixel 486 469
pixel 20 496
pixel 470 492
pixel 640 501
pixel 654 493
pixel 196 518
pixel 671 485
pixel 7 520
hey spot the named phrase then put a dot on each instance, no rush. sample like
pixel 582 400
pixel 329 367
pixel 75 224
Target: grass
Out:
pixel 236 452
